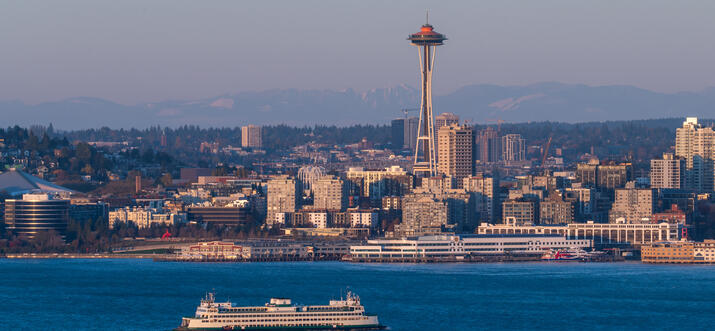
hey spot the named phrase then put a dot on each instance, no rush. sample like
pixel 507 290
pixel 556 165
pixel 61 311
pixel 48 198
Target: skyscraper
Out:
pixel 427 41
pixel 696 144
pixel 445 119
pixel 410 134
pixel 455 152
pixel 440 121
pixel 398 134
pixel 251 136
pixel 488 146
pixel 513 148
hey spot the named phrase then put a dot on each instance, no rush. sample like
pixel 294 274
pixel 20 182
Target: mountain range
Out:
pixel 478 103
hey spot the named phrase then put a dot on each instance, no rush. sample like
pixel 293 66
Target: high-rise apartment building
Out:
pixel 484 192
pixel 445 119
pixel 410 134
pixel 696 144
pixel 513 147
pixel 251 136
pixel 488 146
pixel 398 133
pixel 376 184
pixel 283 196
pixel 455 152
pixel 667 172
pixel 440 121
pixel 633 205
pixel 330 193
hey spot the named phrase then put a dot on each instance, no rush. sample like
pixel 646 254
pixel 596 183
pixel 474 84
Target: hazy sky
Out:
pixel 141 51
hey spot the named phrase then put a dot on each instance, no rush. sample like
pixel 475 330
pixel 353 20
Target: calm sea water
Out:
pixel 127 294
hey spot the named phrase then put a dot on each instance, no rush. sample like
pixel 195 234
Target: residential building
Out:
pixel 633 205
pixel 488 146
pixel 330 193
pixel 667 172
pixel 696 144
pixel 376 184
pixel 554 210
pixel 455 152
pixel 513 148
pixel 251 136
pixel 483 190
pixel 283 196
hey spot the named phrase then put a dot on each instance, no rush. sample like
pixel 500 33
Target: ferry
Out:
pixel 281 314
pixel 571 254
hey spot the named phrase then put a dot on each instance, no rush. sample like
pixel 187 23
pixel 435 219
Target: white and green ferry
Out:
pixel 280 314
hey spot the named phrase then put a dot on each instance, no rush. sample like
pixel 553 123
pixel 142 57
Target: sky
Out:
pixel 134 52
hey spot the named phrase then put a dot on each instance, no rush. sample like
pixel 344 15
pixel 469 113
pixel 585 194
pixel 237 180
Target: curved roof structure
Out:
pixel 16 182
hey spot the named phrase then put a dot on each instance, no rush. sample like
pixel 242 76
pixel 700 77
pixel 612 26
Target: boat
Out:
pixel 571 254
pixel 281 314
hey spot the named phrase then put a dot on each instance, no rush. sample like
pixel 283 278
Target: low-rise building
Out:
pixel 600 233
pixel 456 246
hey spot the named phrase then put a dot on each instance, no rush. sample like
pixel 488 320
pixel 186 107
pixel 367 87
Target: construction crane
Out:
pixel 407 110
pixel 546 152
pixel 499 121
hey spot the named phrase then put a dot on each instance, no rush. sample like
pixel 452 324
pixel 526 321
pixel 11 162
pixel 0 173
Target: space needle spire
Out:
pixel 426 41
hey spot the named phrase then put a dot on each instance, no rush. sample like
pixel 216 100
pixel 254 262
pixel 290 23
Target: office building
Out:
pixel 600 233
pixel 398 134
pixel 36 212
pixel 520 211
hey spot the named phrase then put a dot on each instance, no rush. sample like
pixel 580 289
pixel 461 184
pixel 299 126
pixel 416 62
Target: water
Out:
pixel 129 294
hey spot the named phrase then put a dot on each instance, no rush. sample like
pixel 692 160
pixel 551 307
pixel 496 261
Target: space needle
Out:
pixel 426 41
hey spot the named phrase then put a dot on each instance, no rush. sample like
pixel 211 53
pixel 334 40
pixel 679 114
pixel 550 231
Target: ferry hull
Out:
pixel 296 328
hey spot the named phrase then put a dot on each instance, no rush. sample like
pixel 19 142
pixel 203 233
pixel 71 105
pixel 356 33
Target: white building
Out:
pixel 364 219
pixel 454 246
pixel 251 136
pixel 144 218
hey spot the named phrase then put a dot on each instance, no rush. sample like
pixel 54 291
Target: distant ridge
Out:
pixel 556 102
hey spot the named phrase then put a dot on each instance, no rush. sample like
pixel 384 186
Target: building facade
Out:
pixel 251 136
pixel 667 172
pixel 283 196
pixel 454 152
